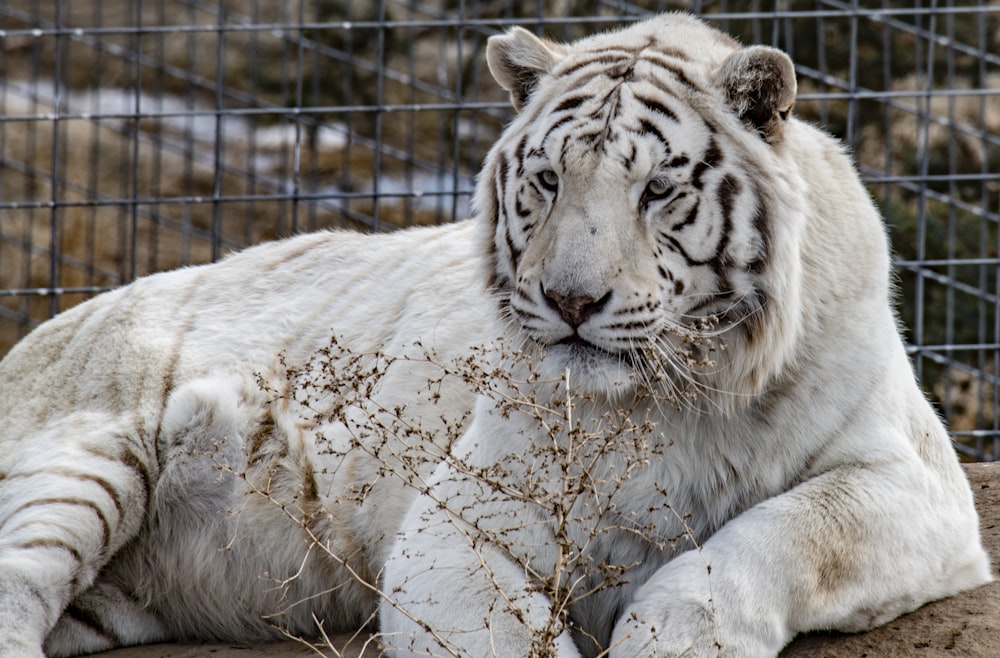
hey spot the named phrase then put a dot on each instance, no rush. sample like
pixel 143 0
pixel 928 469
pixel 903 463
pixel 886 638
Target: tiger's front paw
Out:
pixel 672 630
pixel 668 633
pixel 685 610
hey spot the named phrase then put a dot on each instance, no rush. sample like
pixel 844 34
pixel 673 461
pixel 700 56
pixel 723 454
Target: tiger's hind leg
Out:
pixel 102 618
pixel 70 497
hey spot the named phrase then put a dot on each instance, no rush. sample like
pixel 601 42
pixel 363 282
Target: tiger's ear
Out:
pixel 518 59
pixel 759 83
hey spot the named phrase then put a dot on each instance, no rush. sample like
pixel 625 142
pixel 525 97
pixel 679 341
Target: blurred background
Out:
pixel 143 135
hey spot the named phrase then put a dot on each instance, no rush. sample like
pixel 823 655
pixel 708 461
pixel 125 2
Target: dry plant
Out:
pixel 582 458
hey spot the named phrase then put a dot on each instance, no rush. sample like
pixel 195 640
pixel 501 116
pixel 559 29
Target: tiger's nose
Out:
pixel 575 309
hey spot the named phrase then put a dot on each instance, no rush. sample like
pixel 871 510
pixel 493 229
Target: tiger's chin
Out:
pixel 590 369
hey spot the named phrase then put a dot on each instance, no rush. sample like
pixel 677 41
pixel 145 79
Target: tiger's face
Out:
pixel 626 208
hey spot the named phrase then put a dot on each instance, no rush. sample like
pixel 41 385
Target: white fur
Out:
pixel 152 485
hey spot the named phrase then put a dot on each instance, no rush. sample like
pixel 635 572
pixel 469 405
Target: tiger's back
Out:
pixel 122 414
pixel 124 352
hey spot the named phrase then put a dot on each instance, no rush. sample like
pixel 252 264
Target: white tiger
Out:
pixel 653 181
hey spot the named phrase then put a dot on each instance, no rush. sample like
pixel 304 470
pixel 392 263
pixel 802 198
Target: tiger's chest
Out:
pixel 684 493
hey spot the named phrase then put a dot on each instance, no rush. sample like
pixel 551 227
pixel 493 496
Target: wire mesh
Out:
pixel 138 136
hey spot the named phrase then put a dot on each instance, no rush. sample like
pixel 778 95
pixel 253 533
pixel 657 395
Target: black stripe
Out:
pixel 132 462
pixel 52 542
pixel 594 137
pixel 525 315
pixel 515 253
pixel 623 50
pixel 663 87
pixel 648 128
pixel 729 188
pixel 675 53
pixel 539 152
pixel 629 162
pixel 570 103
pixel 41 597
pixel 519 209
pixel 762 224
pixel 727 191
pixel 672 243
pixel 493 208
pixel 556 125
pixel 634 324
pixel 501 179
pixel 656 106
pixel 710 301
pixel 582 80
pixel 754 318
pixel 75 502
pixel 689 219
pixel 711 160
pixel 104 484
pixel 607 59
pixel 519 156
pixel 73 475
pixel 501 191
pixel 678 161
pixel 265 430
pixel 90 619
pixel 566 143
pixel 662 62
pixel 638 308
pixel 520 294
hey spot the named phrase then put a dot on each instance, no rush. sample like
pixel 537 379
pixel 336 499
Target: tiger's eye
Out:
pixel 658 188
pixel 549 180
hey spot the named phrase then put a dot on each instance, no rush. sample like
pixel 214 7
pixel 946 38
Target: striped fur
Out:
pixel 654 219
pixel 134 430
pixel 614 120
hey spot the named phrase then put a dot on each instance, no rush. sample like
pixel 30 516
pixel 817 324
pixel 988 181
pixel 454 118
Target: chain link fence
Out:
pixel 137 136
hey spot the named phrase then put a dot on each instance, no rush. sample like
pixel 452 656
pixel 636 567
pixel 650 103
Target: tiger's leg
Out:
pixel 102 618
pixel 70 497
pixel 847 550
pixel 457 581
pixel 201 430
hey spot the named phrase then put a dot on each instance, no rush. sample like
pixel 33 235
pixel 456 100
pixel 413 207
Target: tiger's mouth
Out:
pixel 591 368
pixel 577 342
pixel 578 349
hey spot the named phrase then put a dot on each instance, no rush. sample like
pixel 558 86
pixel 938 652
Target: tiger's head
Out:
pixel 639 195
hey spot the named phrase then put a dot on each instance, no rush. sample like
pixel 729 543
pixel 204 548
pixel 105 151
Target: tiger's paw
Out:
pixel 684 610
pixel 672 633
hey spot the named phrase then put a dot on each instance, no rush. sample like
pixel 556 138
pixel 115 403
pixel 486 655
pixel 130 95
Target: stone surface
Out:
pixel 966 626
